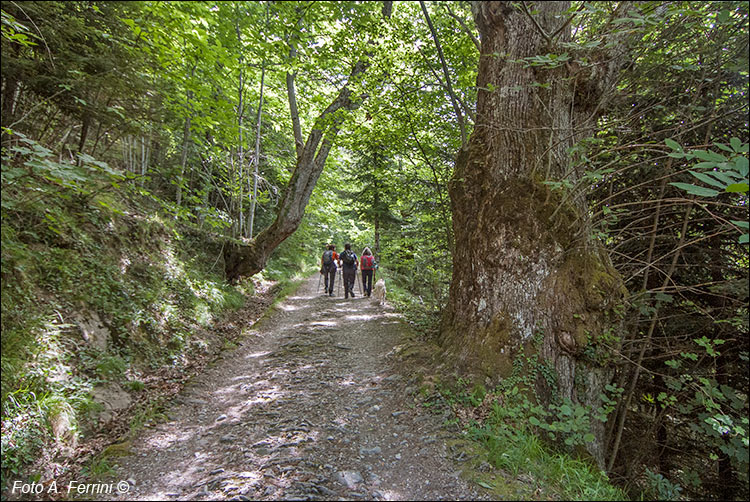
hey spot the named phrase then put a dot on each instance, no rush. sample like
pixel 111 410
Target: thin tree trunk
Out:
pixel 147 160
pixel 377 225
pixel 292 95
pixel 48 125
pixel 256 160
pixel 183 159
pixel 10 98
pixel 451 93
pixel 241 143
pixel 647 342
pixel 125 152
pixel 185 142
pixel 86 123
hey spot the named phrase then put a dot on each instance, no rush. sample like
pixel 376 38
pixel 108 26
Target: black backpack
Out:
pixel 347 257
pixel 328 258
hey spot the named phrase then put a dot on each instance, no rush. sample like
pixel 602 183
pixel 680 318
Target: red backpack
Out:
pixel 366 262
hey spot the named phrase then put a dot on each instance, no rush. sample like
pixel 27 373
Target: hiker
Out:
pixel 328 267
pixel 348 261
pixel 367 265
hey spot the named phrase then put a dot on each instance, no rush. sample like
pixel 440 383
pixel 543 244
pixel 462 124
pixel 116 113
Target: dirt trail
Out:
pixel 310 407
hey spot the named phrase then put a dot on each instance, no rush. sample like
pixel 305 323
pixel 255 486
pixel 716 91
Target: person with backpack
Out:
pixel 349 269
pixel 328 267
pixel 367 266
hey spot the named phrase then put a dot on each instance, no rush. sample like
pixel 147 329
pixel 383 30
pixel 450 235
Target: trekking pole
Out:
pixel 320 276
pixel 341 278
pixel 358 282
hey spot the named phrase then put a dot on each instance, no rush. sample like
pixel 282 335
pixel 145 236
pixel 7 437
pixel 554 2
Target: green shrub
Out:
pixel 509 442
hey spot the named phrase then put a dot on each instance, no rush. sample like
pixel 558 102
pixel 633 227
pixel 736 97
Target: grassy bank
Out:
pixel 104 294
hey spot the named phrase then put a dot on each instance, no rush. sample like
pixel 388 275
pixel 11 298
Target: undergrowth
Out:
pixel 422 312
pixel 99 287
pixel 523 465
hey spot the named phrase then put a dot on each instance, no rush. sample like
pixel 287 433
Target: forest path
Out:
pixel 310 406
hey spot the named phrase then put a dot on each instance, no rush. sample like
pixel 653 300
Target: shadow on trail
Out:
pixel 308 407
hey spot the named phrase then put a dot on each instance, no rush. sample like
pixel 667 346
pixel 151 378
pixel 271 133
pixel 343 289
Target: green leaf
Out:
pixel 737 188
pixel 484 485
pixel 709 155
pixel 705 165
pixel 724 147
pixel 736 144
pixel 673 144
pixel 741 164
pixel 589 437
pixel 705 178
pixel 663 297
pixel 696 190
pixel 728 177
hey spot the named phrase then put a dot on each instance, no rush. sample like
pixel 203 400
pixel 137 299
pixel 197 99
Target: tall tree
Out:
pixel 523 263
pixel 248 259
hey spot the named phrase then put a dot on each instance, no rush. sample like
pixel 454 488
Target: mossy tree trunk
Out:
pixel 522 263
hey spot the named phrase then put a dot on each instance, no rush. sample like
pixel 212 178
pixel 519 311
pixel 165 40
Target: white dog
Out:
pixel 379 291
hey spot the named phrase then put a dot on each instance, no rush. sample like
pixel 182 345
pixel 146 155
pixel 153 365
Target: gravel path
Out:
pixel 311 406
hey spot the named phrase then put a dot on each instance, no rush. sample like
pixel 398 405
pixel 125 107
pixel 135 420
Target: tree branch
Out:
pixel 468 110
pixel 454 101
pixel 292 94
pixel 539 28
pixel 567 22
pixel 466 29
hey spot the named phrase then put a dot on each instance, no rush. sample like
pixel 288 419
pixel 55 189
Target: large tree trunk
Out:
pixel 522 263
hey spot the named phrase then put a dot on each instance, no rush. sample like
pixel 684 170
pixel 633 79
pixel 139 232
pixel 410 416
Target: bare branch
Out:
pixel 539 28
pixel 466 29
pixel 454 101
pixel 567 22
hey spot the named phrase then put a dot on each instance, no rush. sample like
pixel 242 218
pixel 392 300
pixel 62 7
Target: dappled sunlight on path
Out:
pixel 308 407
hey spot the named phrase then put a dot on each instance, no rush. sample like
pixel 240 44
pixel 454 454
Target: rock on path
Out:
pixel 310 406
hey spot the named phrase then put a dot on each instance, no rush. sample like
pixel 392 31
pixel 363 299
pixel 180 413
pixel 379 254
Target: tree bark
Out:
pixel 522 263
